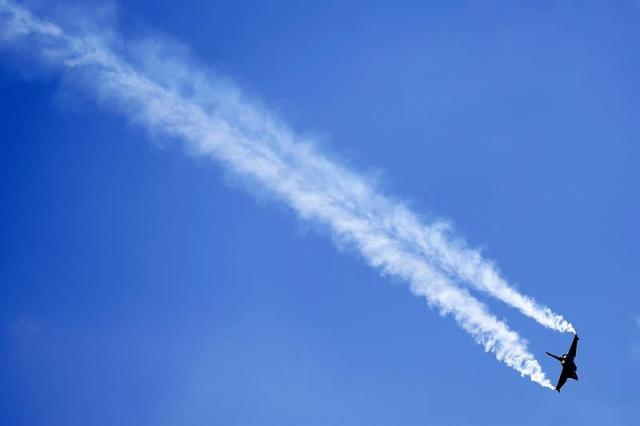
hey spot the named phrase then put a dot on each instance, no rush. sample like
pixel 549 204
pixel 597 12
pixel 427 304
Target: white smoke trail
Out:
pixel 214 120
pixel 466 264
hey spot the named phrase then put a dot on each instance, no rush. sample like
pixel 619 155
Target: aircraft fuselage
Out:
pixel 567 361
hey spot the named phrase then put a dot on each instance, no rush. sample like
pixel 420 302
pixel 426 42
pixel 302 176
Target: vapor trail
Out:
pixel 468 265
pixel 215 120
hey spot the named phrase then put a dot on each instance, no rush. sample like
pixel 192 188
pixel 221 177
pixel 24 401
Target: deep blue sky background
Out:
pixel 139 287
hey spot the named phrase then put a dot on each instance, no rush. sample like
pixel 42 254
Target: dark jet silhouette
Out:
pixel 568 363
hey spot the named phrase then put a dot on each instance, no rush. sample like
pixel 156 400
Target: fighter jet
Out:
pixel 568 363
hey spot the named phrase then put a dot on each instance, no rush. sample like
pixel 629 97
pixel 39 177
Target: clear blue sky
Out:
pixel 138 286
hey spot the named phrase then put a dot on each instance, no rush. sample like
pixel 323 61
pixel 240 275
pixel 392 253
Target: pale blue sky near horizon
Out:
pixel 142 286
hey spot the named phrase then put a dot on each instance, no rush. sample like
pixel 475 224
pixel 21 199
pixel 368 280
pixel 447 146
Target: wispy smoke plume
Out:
pixel 214 119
